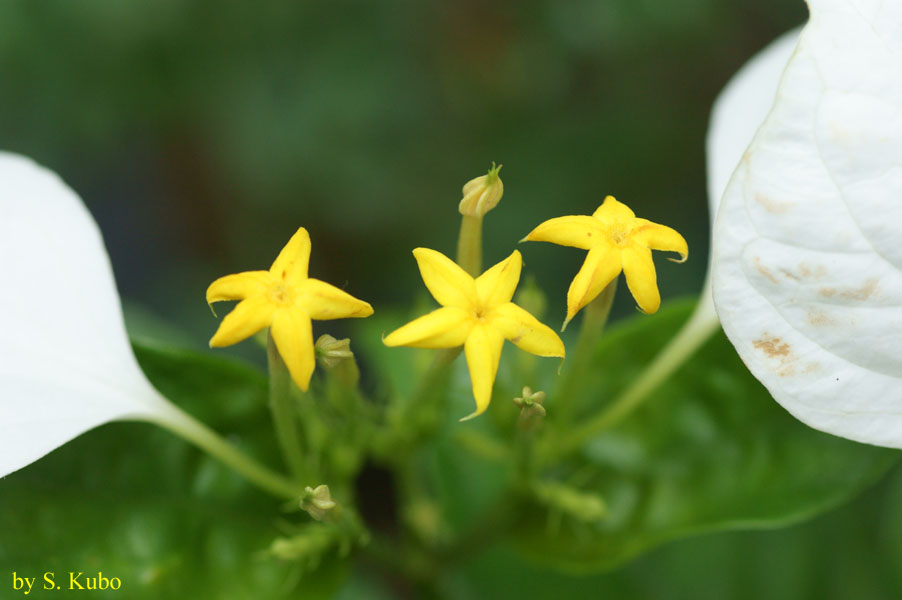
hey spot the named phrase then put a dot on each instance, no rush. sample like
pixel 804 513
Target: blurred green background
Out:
pixel 202 134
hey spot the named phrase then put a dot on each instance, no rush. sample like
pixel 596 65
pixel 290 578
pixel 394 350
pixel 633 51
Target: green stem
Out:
pixel 416 415
pixel 524 459
pixel 432 379
pixel 283 411
pixel 469 245
pixel 700 326
pixel 595 317
pixel 188 428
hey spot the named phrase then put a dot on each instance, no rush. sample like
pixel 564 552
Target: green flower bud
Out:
pixel 319 504
pixel 530 403
pixel 331 351
pixel 482 194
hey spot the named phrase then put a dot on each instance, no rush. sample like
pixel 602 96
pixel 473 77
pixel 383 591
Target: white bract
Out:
pixel 808 238
pixel 66 365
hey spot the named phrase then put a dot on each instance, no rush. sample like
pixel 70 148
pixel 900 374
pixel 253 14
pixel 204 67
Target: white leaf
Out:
pixel 808 239
pixel 66 365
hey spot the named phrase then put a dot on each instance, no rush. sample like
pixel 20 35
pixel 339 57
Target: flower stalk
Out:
pixel 469 244
pixel 284 415
pixel 697 330
pixel 595 317
pixel 190 429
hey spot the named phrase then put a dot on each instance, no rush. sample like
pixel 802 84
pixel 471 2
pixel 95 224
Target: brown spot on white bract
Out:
pixel 787 371
pixel 772 206
pixel 861 293
pixel 805 272
pixel 819 318
pixel 764 270
pixel 781 352
pixel 773 347
pixel 812 271
pixel 790 275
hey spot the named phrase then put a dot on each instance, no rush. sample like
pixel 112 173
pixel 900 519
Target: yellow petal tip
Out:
pixel 469 417
pixel 389 340
pixel 566 322
pixel 647 312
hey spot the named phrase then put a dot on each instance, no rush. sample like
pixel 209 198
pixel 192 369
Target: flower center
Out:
pixel 281 294
pixel 618 233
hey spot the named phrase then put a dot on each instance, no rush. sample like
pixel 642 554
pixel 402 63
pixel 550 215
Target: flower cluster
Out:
pixel 476 312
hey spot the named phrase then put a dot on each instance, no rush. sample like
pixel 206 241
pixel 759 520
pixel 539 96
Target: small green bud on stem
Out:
pixel 330 351
pixel 531 408
pixel 319 504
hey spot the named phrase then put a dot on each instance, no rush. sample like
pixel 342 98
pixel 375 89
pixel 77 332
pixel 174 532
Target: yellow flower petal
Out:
pixel 246 319
pixel 447 282
pixel 483 350
pixel 602 265
pixel 660 237
pixel 579 231
pixel 612 210
pixel 524 330
pixel 497 285
pixel 293 334
pixel 641 279
pixel 323 301
pixel 238 286
pixel 292 262
pixel 443 328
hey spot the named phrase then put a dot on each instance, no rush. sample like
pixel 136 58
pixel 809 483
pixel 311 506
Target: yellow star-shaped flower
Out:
pixel 285 300
pixel 616 240
pixel 477 314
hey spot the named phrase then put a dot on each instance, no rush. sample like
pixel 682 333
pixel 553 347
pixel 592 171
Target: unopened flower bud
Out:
pixel 318 502
pixel 331 351
pixel 482 194
pixel 530 404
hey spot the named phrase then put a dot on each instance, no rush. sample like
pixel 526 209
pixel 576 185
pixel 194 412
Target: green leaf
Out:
pixel 134 502
pixel 851 552
pixel 709 450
